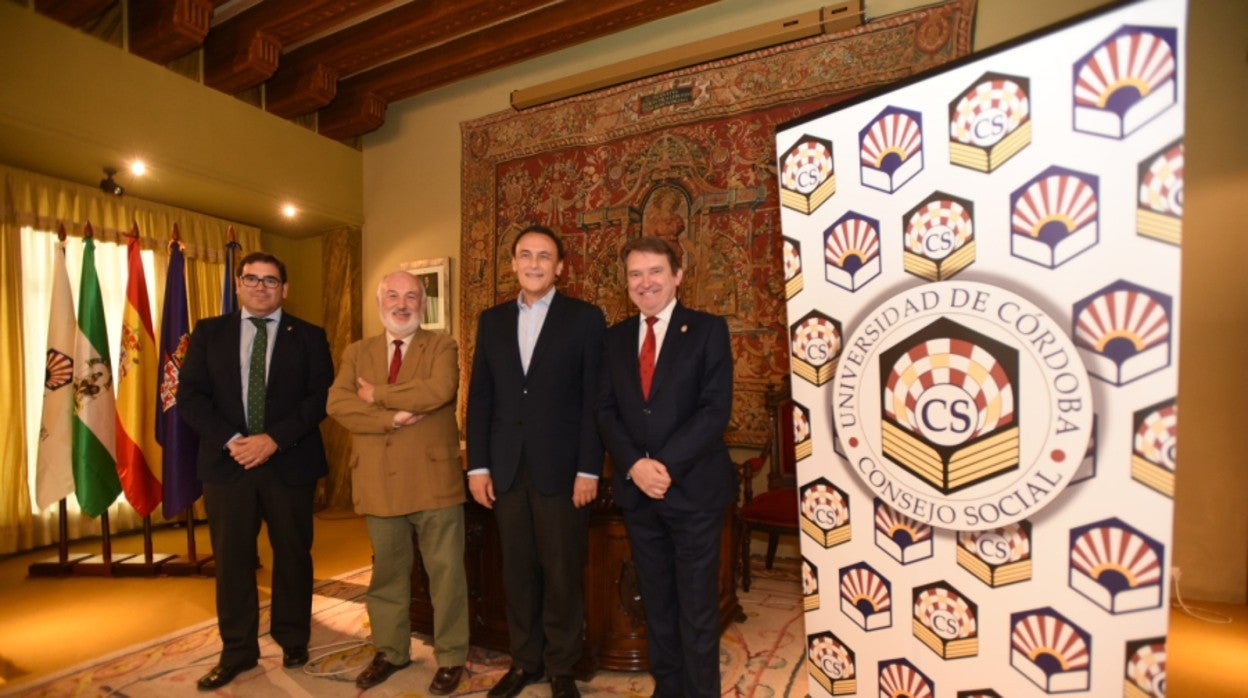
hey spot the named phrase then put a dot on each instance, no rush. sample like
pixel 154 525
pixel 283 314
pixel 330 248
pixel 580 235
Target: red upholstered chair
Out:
pixel 774 511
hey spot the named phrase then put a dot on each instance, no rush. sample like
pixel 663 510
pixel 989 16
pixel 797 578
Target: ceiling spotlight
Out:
pixel 108 185
pixel 138 168
pixel 290 211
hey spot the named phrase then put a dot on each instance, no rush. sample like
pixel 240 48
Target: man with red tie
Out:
pixel 395 393
pixel 664 402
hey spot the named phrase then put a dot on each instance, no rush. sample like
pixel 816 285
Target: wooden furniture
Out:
pixel 615 632
pixel 773 512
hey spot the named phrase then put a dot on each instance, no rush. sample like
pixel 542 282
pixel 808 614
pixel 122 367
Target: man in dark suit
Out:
pixel 534 457
pixel 253 387
pixel 665 400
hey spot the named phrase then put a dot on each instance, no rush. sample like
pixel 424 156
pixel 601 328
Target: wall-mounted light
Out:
pixel 108 185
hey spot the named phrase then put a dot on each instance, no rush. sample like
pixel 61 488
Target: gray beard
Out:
pixel 400 331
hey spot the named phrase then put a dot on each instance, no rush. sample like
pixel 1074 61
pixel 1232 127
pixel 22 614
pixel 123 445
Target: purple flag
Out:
pixel 180 481
pixel 229 299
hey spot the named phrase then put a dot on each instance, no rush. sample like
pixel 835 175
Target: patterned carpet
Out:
pixel 760 658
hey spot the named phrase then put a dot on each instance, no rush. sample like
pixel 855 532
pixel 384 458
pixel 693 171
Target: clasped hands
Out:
pixel 651 477
pixel 250 451
pixel 402 418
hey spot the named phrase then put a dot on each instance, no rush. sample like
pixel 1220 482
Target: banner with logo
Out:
pixel 982 272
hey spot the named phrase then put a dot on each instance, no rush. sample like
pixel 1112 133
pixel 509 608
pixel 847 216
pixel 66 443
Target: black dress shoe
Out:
pixel 293 657
pixel 564 687
pixel 446 680
pixel 220 675
pixel 379 670
pixel 513 682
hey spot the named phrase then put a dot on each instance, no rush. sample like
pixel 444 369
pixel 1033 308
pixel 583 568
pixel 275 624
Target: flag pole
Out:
pixel 97 489
pixel 137 449
pixel 65 561
pixel 229 304
pixel 178 442
pixel 62 564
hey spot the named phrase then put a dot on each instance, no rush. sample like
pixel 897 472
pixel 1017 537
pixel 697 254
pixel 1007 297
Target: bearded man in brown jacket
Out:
pixel 395 393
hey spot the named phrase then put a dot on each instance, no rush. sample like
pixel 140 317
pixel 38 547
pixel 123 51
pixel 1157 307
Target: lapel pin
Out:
pixel 684 328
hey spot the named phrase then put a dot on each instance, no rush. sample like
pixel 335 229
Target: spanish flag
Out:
pixel 138 454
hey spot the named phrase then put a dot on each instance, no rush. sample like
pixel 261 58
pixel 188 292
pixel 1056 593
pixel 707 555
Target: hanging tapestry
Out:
pixel 688 156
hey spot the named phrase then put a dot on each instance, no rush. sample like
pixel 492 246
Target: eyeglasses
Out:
pixel 251 281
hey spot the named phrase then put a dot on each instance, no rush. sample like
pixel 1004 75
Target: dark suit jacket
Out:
pixel 682 424
pixel 210 397
pixel 548 413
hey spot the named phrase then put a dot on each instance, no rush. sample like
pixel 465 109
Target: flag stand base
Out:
pixel 55 567
pixel 138 566
pixel 181 566
pixel 98 566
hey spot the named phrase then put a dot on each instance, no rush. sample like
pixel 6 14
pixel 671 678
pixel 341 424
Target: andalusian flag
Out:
pixel 54 478
pixel 95 408
pixel 180 443
pixel 138 454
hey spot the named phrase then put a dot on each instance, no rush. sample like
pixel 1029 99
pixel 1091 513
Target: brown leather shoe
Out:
pixel 446 680
pixel 377 671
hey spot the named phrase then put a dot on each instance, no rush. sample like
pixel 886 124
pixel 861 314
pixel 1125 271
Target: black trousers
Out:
pixel 235 512
pixel 677 557
pixel 543 539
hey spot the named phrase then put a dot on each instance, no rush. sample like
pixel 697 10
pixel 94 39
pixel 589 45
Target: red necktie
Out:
pixel 645 360
pixel 396 361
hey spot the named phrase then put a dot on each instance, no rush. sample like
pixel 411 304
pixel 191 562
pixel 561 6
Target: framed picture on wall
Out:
pixel 435 275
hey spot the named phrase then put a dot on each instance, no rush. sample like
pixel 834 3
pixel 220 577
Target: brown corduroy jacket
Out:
pixel 413 468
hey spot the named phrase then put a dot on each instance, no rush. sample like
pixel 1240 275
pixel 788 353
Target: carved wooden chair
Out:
pixel 773 512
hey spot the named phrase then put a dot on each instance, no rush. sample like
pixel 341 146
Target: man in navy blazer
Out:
pixel 664 402
pixel 262 474
pixel 534 457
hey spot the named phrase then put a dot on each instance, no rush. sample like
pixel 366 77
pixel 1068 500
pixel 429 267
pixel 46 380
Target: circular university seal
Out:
pixel 962 405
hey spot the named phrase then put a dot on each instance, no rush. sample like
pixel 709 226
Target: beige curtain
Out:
pixel 46 203
pixel 15 504
pixel 342 296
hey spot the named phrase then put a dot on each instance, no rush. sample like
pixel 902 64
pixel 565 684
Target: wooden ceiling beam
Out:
pixel 349 69
pixel 555 27
pixel 235 67
pixel 244 51
pixel 363 114
pixel 294 93
pixel 297 87
pixel 291 21
pixel 163 31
